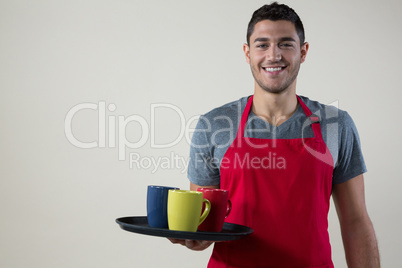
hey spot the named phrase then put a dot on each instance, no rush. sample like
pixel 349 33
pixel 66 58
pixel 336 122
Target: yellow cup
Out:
pixel 184 210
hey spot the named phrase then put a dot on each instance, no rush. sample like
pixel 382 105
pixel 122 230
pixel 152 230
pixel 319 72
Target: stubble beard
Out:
pixel 279 89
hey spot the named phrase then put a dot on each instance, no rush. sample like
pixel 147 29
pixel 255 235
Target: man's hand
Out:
pixel 192 244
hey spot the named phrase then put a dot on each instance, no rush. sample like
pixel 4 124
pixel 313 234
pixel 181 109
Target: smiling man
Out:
pixel 320 155
pixel 275 54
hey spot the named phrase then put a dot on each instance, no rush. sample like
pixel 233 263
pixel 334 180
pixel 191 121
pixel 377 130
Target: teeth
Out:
pixel 273 69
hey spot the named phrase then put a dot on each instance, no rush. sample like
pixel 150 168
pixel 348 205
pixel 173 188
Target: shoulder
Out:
pixel 227 114
pixel 328 113
pixel 228 108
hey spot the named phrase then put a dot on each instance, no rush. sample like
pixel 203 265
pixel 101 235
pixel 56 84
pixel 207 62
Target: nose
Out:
pixel 273 54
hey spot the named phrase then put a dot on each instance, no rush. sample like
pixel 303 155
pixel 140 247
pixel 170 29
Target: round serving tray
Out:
pixel 139 224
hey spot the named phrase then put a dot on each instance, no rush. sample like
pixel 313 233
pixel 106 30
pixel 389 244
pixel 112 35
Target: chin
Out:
pixel 275 90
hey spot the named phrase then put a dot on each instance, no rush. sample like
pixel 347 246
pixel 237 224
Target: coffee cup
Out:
pixel 220 209
pixel 157 197
pixel 184 210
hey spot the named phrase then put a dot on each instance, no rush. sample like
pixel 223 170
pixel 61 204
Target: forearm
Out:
pixel 360 244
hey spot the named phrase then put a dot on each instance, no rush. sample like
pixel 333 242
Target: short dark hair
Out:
pixel 276 12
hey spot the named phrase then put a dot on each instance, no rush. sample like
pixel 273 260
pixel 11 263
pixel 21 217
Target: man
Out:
pixel 281 158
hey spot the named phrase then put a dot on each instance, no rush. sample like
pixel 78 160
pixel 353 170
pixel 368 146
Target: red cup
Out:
pixel 220 209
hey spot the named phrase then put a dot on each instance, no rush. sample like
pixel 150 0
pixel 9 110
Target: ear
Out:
pixel 246 50
pixel 303 51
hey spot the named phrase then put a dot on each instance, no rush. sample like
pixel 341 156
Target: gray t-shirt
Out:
pixel 216 130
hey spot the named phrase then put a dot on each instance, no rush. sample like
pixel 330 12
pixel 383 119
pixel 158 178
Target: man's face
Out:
pixel 275 55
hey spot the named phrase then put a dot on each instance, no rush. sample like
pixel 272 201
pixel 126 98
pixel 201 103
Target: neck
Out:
pixel 274 108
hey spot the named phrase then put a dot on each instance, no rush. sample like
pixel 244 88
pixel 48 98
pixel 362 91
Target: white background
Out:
pixel 58 203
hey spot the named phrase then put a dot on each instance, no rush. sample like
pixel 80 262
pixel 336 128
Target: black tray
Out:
pixel 230 231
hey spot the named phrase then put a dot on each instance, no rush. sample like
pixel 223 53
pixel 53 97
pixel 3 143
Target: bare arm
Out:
pixel 358 235
pixel 194 244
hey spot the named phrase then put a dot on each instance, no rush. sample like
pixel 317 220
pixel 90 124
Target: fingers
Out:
pixel 178 241
pixel 197 244
pixel 192 244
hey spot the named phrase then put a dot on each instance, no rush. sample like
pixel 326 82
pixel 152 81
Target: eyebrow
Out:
pixel 283 39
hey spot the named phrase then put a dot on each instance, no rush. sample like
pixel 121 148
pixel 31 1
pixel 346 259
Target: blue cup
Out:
pixel 157 197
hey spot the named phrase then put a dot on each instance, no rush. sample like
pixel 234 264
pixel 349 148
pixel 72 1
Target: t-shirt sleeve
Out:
pixel 203 168
pixel 350 158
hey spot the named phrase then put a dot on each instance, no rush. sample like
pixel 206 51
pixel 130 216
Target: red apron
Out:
pixel 281 188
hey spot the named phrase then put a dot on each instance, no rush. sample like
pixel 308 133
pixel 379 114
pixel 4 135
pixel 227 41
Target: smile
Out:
pixel 274 69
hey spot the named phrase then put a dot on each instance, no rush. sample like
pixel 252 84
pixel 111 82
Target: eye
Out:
pixel 286 45
pixel 262 46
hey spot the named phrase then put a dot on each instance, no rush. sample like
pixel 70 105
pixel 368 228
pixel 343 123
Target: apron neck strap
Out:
pixel 243 121
pixel 312 117
pixel 304 106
